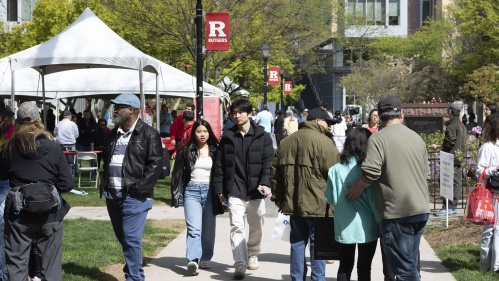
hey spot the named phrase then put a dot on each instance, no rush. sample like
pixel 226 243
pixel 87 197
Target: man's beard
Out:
pixel 120 119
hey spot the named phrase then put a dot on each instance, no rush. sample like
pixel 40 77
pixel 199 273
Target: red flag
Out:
pixel 273 75
pixel 217 31
pixel 288 85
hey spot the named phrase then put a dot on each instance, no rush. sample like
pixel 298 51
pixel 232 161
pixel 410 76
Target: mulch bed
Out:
pixel 457 233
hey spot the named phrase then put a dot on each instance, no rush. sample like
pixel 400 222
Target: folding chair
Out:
pixel 87 156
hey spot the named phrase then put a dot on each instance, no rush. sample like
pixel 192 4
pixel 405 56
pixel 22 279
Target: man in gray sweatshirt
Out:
pixel 396 165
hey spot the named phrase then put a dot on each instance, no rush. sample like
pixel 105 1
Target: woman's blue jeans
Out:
pixel 4 191
pixel 200 220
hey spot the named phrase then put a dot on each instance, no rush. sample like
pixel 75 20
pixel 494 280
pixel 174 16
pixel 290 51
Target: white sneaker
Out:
pixel 240 271
pixel 253 263
pixel 204 264
pixel 192 267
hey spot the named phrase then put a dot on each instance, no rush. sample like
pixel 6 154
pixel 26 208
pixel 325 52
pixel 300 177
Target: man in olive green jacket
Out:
pixel 298 179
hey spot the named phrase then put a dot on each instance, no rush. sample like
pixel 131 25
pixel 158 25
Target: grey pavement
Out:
pixel 170 263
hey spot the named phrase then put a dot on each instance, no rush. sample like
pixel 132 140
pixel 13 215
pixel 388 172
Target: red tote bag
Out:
pixel 479 208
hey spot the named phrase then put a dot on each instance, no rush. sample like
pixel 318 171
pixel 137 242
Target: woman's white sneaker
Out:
pixel 204 264
pixel 253 263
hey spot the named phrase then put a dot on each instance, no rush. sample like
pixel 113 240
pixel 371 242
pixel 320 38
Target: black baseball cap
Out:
pixel 319 113
pixel 3 108
pixel 392 101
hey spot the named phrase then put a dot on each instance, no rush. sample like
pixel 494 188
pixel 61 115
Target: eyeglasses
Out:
pixel 487 109
pixel 102 125
pixel 118 108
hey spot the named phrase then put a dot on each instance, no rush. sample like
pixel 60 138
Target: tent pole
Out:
pixel 13 90
pixel 43 91
pixel 142 96
pixel 56 109
pixel 157 102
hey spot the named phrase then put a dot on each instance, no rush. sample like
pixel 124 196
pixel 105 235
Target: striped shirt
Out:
pixel 116 181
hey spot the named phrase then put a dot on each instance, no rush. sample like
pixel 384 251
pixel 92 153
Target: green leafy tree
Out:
pixel 482 84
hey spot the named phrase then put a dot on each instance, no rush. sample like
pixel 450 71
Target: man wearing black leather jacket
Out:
pixel 132 167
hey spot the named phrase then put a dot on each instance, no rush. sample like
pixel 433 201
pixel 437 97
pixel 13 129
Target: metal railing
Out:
pixel 434 181
pixel 314 89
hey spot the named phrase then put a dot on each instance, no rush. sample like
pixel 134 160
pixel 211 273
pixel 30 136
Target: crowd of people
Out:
pixel 372 180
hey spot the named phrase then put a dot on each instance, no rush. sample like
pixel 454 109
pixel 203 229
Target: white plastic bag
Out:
pixel 282 228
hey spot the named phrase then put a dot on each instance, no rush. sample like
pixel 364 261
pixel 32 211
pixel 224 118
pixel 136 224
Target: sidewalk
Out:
pixel 170 264
pixel 100 213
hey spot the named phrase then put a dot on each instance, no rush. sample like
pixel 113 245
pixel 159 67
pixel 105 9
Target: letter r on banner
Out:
pixel 217 26
pixel 273 75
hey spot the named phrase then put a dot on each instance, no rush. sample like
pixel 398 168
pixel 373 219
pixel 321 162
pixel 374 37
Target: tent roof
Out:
pixel 102 81
pixel 86 43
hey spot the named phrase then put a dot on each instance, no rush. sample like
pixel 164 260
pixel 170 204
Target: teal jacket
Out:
pixel 355 221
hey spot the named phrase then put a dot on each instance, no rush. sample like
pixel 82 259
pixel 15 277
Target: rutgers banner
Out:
pixel 217 31
pixel 287 87
pixel 273 75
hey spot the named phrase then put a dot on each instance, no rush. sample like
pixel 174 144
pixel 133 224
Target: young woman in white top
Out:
pixel 192 178
pixel 488 157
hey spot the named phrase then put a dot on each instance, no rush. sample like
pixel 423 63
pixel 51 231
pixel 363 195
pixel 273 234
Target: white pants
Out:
pixel 255 209
pixel 489 243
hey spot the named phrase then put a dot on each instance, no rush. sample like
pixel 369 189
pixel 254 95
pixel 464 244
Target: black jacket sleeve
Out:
pixel 65 180
pixel 4 167
pixel 177 187
pixel 268 156
pixel 218 172
pixel 153 165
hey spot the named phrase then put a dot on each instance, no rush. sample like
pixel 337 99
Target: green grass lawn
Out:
pixel 162 193
pixel 463 260
pixel 89 246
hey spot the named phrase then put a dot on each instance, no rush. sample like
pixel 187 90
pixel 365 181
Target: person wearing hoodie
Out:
pixel 298 179
pixel 290 124
pixel 33 149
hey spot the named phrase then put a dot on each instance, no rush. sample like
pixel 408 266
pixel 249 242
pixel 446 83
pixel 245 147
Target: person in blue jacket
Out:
pixel 356 222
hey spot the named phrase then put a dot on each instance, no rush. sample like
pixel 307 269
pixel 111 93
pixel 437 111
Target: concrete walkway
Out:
pixel 170 264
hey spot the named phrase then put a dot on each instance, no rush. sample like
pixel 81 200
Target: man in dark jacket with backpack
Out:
pixel 242 178
pixel 132 166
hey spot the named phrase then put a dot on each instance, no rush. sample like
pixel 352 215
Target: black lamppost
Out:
pixel 265 54
pixel 281 70
pixel 199 60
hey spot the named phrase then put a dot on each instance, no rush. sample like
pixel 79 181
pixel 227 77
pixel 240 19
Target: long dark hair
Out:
pixel 493 108
pixel 355 146
pixel 491 131
pixel 212 139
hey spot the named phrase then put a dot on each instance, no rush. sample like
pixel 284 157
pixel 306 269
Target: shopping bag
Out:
pixel 325 246
pixel 282 228
pixel 479 208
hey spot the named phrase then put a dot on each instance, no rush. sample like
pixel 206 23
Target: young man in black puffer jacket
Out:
pixel 242 178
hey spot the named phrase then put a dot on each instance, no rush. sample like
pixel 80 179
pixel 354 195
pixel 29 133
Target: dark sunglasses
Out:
pixel 118 108
pixel 102 125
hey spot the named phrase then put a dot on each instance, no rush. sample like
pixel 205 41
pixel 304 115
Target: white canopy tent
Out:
pixel 89 44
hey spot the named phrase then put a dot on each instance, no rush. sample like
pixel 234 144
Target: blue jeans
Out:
pixel 200 220
pixel 402 247
pixel 302 229
pixel 4 191
pixel 128 217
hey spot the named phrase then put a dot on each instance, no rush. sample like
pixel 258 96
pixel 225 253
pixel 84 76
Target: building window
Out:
pixel 375 11
pixel 26 9
pixel 426 11
pixel 11 10
pixel 394 12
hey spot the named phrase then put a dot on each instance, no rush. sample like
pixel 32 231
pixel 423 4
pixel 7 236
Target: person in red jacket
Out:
pixel 177 129
pixel 188 121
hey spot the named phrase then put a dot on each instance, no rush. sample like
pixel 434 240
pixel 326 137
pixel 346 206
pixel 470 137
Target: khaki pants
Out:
pixel 255 210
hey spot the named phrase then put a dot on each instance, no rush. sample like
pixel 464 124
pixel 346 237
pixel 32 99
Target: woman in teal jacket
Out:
pixel 356 222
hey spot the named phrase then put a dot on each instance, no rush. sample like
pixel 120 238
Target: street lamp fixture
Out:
pixel 265 54
pixel 281 70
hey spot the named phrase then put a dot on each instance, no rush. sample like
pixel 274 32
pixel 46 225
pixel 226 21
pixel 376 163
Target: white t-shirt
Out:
pixel 201 170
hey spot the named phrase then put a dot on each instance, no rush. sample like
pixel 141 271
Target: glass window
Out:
pixel 27 7
pixel 11 10
pixel 380 12
pixel 360 8
pixel 426 11
pixel 370 13
pixel 394 12
pixel 351 7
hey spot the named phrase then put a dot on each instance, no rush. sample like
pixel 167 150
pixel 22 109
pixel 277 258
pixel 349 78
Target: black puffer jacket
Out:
pixel 48 165
pixel 142 164
pixel 182 176
pixel 258 160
